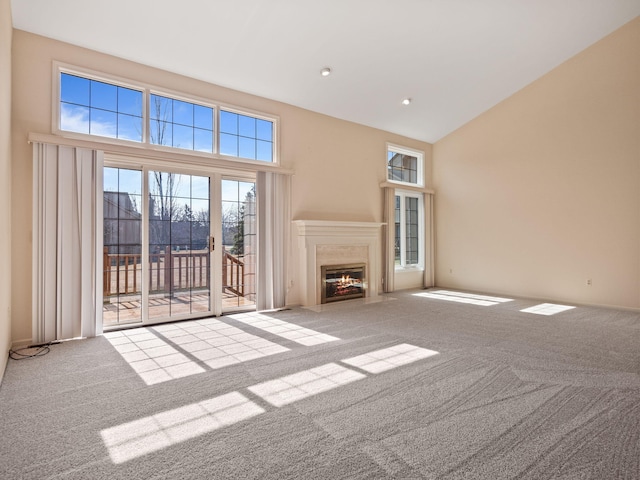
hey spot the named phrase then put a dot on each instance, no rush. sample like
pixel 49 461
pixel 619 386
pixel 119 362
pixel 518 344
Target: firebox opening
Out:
pixel 342 282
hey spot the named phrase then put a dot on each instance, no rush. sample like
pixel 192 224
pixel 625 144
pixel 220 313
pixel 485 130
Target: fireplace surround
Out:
pixel 322 242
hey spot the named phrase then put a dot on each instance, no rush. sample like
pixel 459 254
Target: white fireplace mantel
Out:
pixel 352 238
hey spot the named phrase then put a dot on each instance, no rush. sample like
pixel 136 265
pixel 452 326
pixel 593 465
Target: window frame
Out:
pixel 406 151
pixel 59 69
pixel 148 90
pixel 420 265
pixel 254 114
pixel 181 98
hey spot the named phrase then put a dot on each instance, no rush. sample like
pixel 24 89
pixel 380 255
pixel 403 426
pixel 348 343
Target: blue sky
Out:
pixel 98 108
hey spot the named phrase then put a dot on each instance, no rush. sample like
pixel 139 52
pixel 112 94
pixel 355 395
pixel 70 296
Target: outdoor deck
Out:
pixel 178 285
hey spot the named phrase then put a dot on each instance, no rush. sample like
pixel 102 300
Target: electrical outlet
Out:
pixel 589 282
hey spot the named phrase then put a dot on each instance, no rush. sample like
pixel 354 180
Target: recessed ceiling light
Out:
pixel 406 101
pixel 325 72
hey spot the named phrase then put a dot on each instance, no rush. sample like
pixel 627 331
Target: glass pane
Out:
pixel 181 233
pixel 264 130
pixel 130 181
pixel 129 127
pixel 228 144
pixel 183 137
pixel 245 189
pixel 203 140
pixel 183 113
pixel 103 123
pixel 203 117
pixel 74 118
pixel 199 208
pixel 178 185
pixel 161 133
pixel 110 179
pixel 247 126
pixel 228 122
pixel 128 205
pixel 247 148
pixel 159 233
pixel 104 96
pixel 200 187
pixel 265 151
pixel 129 101
pixel 74 89
pixel 160 108
pixel 230 191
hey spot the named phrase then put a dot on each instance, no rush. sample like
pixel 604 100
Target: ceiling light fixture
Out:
pixel 325 72
pixel 406 101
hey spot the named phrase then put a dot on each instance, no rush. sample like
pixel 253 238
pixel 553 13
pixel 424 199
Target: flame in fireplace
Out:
pixel 344 281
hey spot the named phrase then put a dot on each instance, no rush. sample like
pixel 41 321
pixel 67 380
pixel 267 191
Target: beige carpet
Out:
pixel 415 387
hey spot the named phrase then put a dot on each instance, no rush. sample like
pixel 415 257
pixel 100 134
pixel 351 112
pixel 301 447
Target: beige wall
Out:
pixel 5 180
pixel 338 165
pixel 542 192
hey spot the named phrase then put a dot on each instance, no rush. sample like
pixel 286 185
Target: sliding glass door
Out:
pixel 188 251
pixel 179 256
pixel 239 244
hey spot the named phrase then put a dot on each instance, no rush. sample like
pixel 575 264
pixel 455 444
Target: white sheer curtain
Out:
pixel 273 239
pixel 67 228
pixel 429 240
pixel 389 239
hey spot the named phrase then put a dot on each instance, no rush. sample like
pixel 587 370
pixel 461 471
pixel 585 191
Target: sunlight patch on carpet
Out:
pixel 218 344
pixel 462 297
pixel 290 331
pixel 389 358
pixel 291 388
pixel 547 309
pixel 156 432
pixel 153 359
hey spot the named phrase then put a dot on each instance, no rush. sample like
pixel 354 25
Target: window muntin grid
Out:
pixel 408 230
pixel 411 230
pixel 179 124
pixel 154 119
pixel 246 136
pixel 402 167
pixel 99 108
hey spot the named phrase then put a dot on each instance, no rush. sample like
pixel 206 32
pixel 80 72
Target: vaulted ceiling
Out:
pixel 454 58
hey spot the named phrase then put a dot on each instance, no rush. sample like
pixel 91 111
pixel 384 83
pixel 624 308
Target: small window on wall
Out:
pixel 405 166
pixel 246 136
pixel 179 124
pixel 97 108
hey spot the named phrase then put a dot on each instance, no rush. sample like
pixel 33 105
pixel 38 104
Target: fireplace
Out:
pixel 342 282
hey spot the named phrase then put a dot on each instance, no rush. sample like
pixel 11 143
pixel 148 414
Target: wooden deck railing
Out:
pixel 169 271
pixel 232 274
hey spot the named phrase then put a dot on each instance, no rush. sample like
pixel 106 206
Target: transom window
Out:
pixel 404 166
pixel 245 136
pixel 99 108
pixel 89 105
pixel 180 124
